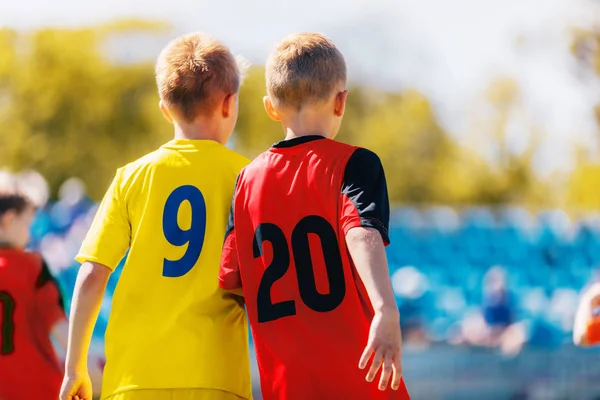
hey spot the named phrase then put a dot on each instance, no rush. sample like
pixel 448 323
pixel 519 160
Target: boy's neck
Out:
pixel 290 134
pixel 196 132
pixel 307 123
pixel 4 242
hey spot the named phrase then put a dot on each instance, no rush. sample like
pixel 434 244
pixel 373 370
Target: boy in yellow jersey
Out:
pixel 173 333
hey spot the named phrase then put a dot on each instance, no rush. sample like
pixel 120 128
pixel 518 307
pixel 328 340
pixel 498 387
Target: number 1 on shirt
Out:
pixel 192 237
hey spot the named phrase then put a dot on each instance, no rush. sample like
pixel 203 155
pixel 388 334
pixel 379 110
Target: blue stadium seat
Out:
pixel 547 258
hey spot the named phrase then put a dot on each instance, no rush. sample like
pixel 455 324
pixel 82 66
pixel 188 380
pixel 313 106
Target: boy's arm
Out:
pixel 105 245
pixel 87 299
pixel 230 278
pixel 364 220
pixel 229 274
pixel 584 314
pixel 51 311
pixel 368 255
pixel 60 332
pixel 385 339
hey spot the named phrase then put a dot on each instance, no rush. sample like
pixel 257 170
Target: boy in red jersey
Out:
pixel 306 238
pixel 31 309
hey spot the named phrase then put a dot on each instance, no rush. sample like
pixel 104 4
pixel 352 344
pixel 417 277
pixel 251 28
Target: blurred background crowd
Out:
pixel 499 284
pixel 485 115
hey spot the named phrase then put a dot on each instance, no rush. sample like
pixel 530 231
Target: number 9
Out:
pixel 193 237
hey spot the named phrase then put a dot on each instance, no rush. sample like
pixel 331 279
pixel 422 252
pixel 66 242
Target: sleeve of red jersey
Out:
pixel 229 272
pixel 364 196
pixel 49 301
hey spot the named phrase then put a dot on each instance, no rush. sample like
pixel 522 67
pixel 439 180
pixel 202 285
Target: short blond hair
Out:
pixel 304 68
pixel 192 71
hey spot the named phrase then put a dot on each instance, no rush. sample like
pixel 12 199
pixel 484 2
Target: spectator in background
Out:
pixel 33 187
pixel 31 303
pixel 410 287
pixel 494 325
pixel 72 203
pixel 497 306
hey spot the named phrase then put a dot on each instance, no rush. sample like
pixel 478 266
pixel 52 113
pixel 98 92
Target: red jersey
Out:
pixel 30 305
pixel 285 247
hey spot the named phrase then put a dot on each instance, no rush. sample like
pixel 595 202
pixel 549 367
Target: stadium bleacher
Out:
pixel 438 258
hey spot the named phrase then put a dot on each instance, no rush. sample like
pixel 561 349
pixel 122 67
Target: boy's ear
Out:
pixel 7 219
pixel 340 103
pixel 229 105
pixel 165 111
pixel 270 109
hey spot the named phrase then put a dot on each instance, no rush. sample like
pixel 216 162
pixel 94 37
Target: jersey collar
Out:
pixel 188 144
pixel 297 141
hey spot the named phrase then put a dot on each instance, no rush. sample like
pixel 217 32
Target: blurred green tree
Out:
pixel 68 110
pixel 511 176
pixel 585 179
pixel 255 131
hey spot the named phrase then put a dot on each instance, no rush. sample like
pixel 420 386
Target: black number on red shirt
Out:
pixel 7 331
pixel 267 311
pixel 312 224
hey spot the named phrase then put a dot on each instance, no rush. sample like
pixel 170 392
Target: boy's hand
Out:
pixel 76 387
pixel 385 346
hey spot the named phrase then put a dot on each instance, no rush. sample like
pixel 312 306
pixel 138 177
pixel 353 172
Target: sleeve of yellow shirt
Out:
pixel 109 236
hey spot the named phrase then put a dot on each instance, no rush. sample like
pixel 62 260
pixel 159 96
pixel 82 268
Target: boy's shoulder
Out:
pixel 364 157
pixel 354 155
pixel 148 161
pixel 162 154
pixel 27 255
pixel 25 262
pixel 142 162
pixel 235 159
pixel 128 174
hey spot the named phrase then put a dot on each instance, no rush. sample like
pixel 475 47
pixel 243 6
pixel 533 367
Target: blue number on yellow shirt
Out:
pixel 193 237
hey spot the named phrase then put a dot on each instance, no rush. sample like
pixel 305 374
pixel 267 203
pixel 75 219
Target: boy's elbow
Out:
pixel 92 273
pixel 363 234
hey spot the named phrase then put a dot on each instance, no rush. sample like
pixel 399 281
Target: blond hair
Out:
pixel 192 71
pixel 304 68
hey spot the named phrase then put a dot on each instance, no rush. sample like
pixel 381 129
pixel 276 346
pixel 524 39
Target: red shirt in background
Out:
pixel 285 247
pixel 30 305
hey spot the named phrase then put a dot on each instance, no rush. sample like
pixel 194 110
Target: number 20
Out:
pixel 193 237
pixel 305 274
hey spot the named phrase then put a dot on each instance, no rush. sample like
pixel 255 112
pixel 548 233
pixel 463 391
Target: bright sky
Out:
pixel 448 49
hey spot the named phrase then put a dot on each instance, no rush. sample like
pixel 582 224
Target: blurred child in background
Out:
pixel 31 308
pixel 32 316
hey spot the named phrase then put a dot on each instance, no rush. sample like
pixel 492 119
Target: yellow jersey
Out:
pixel 170 325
